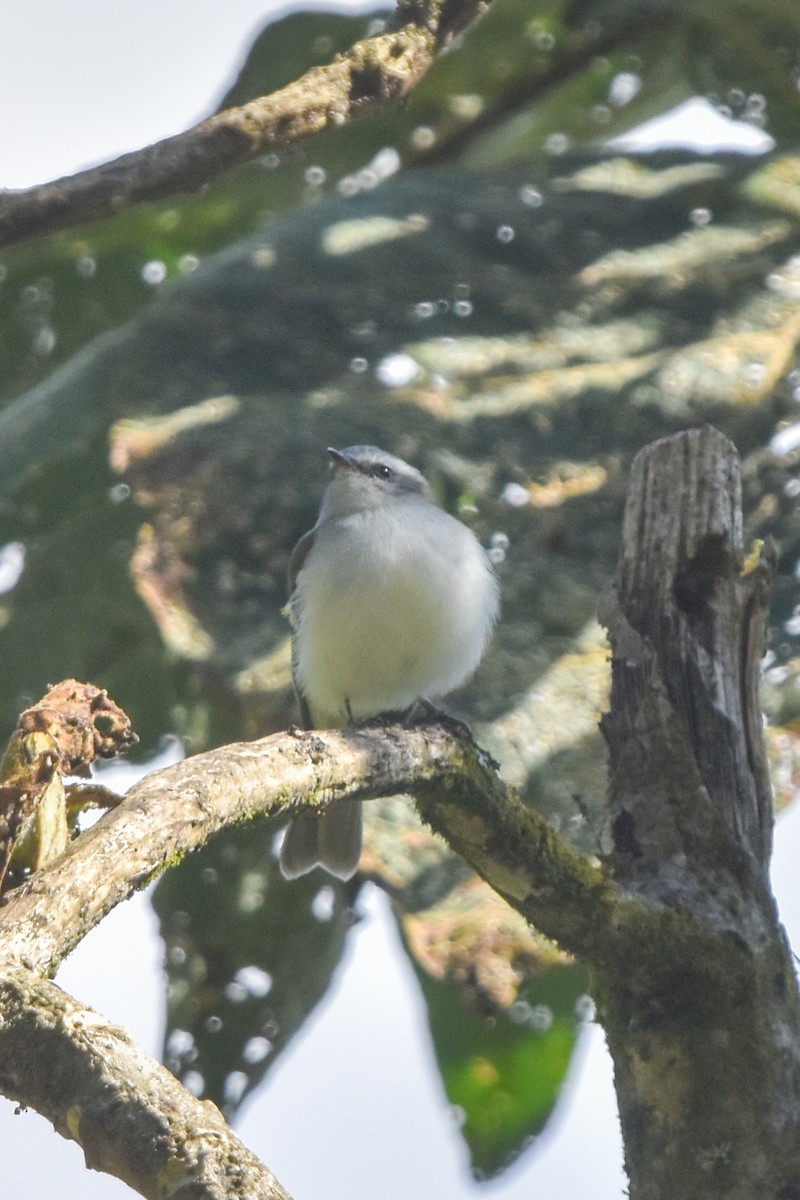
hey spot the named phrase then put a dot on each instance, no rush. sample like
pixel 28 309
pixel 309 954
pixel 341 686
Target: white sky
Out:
pixel 87 80
pixel 81 82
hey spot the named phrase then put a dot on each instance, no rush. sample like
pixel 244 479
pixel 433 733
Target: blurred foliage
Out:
pixel 243 973
pixel 518 309
pixel 503 1071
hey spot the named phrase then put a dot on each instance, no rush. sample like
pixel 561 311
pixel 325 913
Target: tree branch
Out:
pixel 710 1008
pixel 374 71
pixel 173 811
pixel 130 1115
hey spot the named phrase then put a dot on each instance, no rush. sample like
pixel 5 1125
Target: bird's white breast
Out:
pixel 393 609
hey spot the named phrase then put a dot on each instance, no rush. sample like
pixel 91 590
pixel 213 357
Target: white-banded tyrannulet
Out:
pixel 392 600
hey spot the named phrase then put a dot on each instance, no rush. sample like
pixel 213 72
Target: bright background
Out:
pixel 80 83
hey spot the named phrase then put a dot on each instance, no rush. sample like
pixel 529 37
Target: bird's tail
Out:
pixel 331 840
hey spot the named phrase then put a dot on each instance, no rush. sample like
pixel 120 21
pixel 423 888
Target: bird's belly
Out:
pixel 387 634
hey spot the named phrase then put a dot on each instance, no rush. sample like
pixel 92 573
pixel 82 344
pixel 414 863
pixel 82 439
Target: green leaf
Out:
pixel 503 1070
pixel 248 957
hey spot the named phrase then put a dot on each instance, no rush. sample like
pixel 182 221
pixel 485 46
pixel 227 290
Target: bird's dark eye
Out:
pixel 381 471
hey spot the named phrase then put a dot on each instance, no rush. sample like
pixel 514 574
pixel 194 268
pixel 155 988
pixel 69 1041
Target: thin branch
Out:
pixel 131 1116
pixel 375 71
pixel 174 811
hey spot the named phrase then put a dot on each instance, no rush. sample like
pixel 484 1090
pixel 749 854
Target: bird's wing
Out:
pixel 298 557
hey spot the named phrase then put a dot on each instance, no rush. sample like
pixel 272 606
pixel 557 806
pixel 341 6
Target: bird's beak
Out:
pixel 339 459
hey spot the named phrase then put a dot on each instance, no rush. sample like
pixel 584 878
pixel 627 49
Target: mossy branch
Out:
pixel 132 1118
pixel 175 810
pixel 375 71
pixel 130 1115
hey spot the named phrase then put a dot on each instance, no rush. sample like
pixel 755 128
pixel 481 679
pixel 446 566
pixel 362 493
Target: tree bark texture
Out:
pixel 702 1020
pixel 131 1116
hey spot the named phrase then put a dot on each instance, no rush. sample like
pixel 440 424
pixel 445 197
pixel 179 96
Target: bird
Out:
pixel 392 602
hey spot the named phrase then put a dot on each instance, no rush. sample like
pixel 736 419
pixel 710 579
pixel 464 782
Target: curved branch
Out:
pixel 373 72
pixel 131 1117
pixel 175 810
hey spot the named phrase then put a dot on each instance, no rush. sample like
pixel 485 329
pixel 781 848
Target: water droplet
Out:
pixel 397 370
pixel 367 178
pixel 541 1017
pixel 556 144
pixel 194 1082
pixel 505 233
pixel 44 341
pixel 424 310
pixel 386 162
pixel 584 1008
pixel 188 263
pixel 785 441
pixel 358 365
pixel 209 876
pixel 12 564
pixel 180 1042
pixel 365 330
pixel 463 308
pixel 119 493
pixel 235 1087
pixel 515 495
pixel 754 374
pixel 323 904
pixel 254 980
pixel 423 137
pixel 213 1024
pixel 86 266
pixel 256 1049
pixel 30 296
pixel 315 176
pixel 792 626
pixel 700 217
pixel 177 956
pixel 235 993
pixel 154 272
pixel 623 88
pixel 531 196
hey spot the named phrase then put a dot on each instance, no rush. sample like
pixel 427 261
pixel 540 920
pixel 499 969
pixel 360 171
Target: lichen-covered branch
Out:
pixel 173 811
pixel 376 70
pixel 703 1021
pixel 131 1116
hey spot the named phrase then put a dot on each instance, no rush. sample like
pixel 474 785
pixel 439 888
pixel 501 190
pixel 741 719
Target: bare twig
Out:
pixel 376 70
